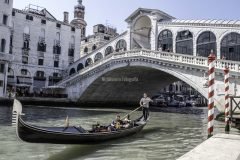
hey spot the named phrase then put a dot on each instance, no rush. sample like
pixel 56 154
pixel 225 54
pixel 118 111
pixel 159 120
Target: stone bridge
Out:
pixel 155 51
pixel 122 77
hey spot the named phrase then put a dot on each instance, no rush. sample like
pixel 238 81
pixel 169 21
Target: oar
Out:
pixel 131 112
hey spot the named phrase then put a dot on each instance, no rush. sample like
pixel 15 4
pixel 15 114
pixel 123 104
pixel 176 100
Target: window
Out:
pixel 165 41
pixel 86 50
pixel 94 47
pixel 13 13
pixel 2 66
pixel 57 49
pixel 71 52
pixel 184 42
pixel 106 38
pixel 28 17
pixel 58 25
pixel 40 62
pixel 7 1
pixel 43 21
pixel 73 29
pixel 55 74
pixel 230 46
pixel 205 43
pixel 108 50
pixel 56 64
pixel 3 45
pixel 98 57
pixel 5 19
pixel 26 44
pixel 40 74
pixel 24 72
pixel 24 60
pixel 121 45
pixel 42 47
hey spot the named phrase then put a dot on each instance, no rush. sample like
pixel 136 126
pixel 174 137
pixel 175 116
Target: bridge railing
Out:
pixel 167 56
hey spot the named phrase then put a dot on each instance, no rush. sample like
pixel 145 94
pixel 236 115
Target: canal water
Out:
pixel 170 133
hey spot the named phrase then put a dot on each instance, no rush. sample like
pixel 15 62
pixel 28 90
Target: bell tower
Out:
pixel 79 14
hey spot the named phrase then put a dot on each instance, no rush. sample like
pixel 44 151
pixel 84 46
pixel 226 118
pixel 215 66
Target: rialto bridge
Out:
pixel 155 51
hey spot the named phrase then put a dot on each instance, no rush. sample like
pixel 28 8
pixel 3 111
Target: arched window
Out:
pixel 88 62
pixel 121 45
pixel 230 47
pixel 108 50
pixel 86 50
pixel 94 47
pixel 98 57
pixel 72 71
pixel 205 43
pixel 184 42
pixel 165 41
pixel 80 67
pixel 3 45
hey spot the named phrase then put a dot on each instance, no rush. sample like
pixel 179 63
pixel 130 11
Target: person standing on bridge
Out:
pixel 144 103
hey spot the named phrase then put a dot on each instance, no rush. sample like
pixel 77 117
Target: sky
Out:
pixel 114 12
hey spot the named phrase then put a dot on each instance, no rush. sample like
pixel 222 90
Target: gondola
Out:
pixel 67 135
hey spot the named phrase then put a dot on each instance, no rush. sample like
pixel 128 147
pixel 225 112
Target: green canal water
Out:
pixel 170 133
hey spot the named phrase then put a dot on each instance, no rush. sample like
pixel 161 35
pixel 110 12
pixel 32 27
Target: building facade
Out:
pixel 5 42
pixel 35 48
pixel 101 35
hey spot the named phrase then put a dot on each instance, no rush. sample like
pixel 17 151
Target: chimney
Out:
pixel 66 17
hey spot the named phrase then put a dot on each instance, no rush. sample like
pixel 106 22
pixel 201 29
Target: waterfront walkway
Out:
pixel 219 147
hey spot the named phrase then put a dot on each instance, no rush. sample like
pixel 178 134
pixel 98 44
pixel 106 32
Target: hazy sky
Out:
pixel 114 12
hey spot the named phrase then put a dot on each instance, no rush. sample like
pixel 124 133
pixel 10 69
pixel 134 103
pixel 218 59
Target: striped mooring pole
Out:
pixel 226 82
pixel 211 82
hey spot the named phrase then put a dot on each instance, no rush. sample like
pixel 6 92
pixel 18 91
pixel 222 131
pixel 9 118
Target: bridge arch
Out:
pixel 165 40
pixel 141 32
pixel 121 45
pixel 153 70
pixel 230 46
pixel 184 42
pixel 72 71
pixel 88 62
pixel 98 57
pixel 206 41
pixel 80 67
pixel 109 50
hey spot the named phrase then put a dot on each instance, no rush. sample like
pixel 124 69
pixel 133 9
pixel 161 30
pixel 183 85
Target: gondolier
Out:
pixel 144 102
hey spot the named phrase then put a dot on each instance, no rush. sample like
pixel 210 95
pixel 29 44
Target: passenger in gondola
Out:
pixel 127 122
pixel 115 125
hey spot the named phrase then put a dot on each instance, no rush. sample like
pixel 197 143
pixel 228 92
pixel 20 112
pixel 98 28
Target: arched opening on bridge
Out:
pixel 98 57
pixel 230 47
pixel 205 43
pixel 165 41
pixel 141 33
pixel 72 71
pixel 126 85
pixel 109 50
pixel 121 45
pixel 184 42
pixel 88 62
pixel 80 67
pixel 85 50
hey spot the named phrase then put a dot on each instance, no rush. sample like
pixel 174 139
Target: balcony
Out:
pixel 56 57
pixel 57 49
pixel 40 54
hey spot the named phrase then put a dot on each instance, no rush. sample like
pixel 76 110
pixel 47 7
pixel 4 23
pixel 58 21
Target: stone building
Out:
pixel 35 48
pixel 101 35
pixel 5 42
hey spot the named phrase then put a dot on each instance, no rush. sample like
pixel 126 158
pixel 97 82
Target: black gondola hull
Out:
pixel 61 135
